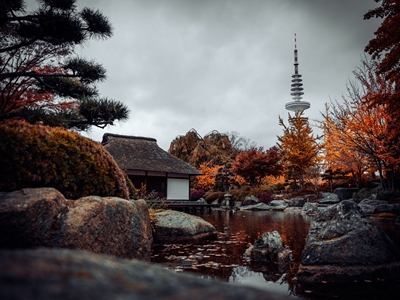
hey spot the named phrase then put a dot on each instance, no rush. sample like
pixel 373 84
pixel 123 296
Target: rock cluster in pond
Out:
pixel 344 245
pixel 176 227
pixel 270 250
pixel 35 217
pixel 72 274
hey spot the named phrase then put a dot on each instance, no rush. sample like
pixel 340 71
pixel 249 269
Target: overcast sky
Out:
pixel 224 65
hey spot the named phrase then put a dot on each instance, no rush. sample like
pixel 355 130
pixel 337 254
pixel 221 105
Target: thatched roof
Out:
pixel 142 153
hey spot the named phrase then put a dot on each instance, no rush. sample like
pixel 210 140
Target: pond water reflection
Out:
pixel 223 259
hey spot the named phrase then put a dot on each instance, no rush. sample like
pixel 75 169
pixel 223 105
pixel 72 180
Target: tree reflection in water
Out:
pixel 223 258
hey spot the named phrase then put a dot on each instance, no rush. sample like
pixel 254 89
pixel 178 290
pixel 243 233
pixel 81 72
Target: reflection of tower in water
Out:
pixel 296 87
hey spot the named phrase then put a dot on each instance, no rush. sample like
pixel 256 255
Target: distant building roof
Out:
pixel 142 153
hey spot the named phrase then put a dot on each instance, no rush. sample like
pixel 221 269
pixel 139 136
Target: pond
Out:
pixel 223 258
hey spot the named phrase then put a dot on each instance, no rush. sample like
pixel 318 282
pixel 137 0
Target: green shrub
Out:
pixel 41 156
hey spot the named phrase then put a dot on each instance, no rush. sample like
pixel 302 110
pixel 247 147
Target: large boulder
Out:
pixel 369 205
pixel 172 226
pixel 70 274
pixel 106 225
pixel 29 217
pixel 345 193
pixel 345 245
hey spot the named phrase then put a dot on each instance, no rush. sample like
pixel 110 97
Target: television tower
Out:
pixel 297 86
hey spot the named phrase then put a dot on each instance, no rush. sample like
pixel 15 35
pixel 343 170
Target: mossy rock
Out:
pixel 42 156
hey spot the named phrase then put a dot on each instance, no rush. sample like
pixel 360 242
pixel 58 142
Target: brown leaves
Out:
pixel 215 148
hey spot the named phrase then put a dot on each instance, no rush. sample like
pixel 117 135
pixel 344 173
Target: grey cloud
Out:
pixel 225 65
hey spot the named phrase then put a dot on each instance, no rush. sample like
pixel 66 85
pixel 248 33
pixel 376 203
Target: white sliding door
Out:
pixel 177 189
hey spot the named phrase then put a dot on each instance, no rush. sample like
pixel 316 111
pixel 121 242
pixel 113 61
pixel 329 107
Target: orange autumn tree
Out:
pixel 340 158
pixel 206 181
pixel 300 149
pixel 364 132
pixel 208 154
pixel 213 155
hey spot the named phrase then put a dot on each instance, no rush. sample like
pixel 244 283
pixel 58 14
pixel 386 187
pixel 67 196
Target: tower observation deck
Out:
pixel 297 87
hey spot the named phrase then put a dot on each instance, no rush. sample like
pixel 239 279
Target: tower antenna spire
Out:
pixel 297 86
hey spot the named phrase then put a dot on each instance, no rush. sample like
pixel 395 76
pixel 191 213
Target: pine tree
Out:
pixel 41 80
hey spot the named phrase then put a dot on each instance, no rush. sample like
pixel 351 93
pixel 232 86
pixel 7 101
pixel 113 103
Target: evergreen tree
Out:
pixel 300 149
pixel 41 80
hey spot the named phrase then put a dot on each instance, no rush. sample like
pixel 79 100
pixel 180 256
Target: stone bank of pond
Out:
pixel 223 259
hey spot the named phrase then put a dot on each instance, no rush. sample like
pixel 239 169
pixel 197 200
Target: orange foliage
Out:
pixel 359 133
pixel 299 146
pixel 206 181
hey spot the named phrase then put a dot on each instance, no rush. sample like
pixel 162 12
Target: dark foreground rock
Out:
pixel 344 245
pixel 172 226
pixel 48 274
pixel 107 225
